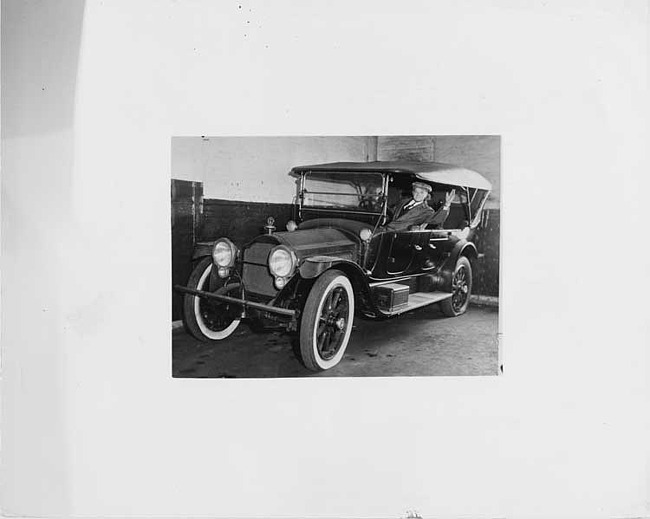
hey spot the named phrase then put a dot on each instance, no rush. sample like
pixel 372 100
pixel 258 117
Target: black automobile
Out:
pixel 336 259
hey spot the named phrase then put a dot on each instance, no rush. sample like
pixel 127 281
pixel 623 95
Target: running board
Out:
pixel 419 299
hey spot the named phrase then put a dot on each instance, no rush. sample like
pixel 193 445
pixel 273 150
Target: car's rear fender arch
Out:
pixel 467 249
pixel 462 248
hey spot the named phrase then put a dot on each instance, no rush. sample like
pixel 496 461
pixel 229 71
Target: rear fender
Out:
pixel 462 248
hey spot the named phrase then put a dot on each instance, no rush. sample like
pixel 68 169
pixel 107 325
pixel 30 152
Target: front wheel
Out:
pixel 327 321
pixel 207 319
pixel 461 289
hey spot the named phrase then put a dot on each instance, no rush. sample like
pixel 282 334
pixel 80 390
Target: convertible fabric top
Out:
pixel 428 171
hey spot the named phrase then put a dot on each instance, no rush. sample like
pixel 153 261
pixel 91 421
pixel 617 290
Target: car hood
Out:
pixel 350 227
pixel 317 237
pixel 319 241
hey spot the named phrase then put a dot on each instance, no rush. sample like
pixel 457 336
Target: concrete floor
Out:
pixel 419 343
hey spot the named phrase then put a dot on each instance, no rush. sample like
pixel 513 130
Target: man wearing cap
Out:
pixel 416 211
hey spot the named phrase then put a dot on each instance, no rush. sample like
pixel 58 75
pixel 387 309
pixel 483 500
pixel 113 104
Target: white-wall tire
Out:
pixel 326 321
pixel 197 311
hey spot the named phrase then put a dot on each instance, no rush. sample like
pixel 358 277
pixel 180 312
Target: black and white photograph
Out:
pixel 324 260
pixel 335 256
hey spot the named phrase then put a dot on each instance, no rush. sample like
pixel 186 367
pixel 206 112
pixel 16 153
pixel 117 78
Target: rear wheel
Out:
pixel 327 321
pixel 207 319
pixel 461 289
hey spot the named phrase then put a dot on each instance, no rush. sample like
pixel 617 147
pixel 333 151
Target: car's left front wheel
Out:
pixel 327 321
pixel 208 319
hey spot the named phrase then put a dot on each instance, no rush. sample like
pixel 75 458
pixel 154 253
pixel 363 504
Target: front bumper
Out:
pixel 246 304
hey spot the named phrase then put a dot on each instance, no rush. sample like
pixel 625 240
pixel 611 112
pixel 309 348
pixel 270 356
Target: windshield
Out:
pixel 350 191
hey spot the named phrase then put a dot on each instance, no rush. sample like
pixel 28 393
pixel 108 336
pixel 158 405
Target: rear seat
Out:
pixel 457 219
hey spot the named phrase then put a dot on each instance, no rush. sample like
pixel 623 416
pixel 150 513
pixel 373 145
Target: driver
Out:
pixel 410 213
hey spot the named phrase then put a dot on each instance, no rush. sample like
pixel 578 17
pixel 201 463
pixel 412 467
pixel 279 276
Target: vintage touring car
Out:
pixel 337 257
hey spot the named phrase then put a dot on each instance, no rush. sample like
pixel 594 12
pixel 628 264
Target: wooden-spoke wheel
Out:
pixel 327 321
pixel 461 289
pixel 209 319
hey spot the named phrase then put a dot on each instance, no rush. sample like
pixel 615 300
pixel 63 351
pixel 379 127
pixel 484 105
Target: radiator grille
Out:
pixel 258 253
pixel 256 275
pixel 258 280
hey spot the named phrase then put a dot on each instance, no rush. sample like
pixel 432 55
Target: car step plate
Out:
pixel 418 299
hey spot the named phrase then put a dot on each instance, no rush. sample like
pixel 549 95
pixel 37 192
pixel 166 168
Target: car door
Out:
pixel 402 249
pixel 392 254
pixel 433 248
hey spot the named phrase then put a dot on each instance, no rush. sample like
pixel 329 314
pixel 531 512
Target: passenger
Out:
pixel 413 212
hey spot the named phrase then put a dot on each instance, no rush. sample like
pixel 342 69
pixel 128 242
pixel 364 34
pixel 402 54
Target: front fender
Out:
pixel 316 265
pixel 203 249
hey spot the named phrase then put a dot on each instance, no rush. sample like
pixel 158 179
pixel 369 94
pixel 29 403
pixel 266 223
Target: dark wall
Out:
pixel 187 200
pixel 486 277
pixel 240 221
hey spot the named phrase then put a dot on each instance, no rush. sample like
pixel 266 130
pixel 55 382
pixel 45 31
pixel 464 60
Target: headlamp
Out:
pixel 224 253
pixel 282 262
